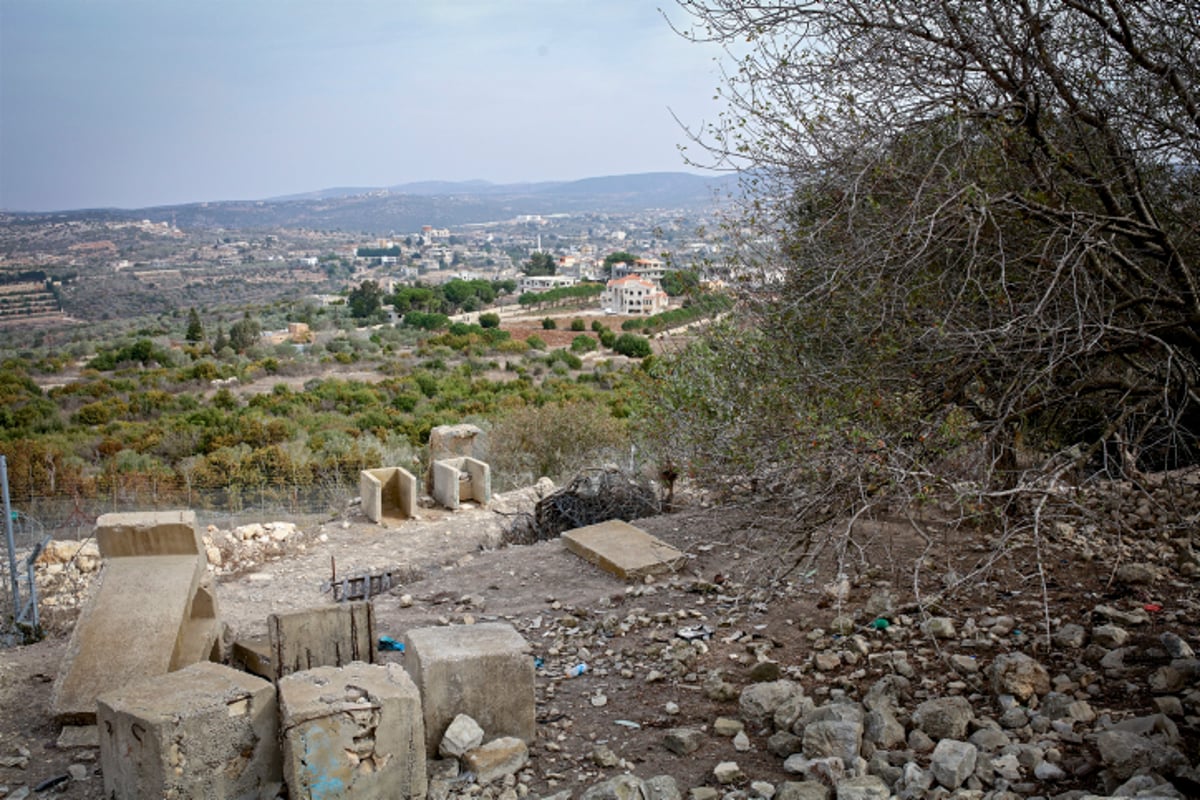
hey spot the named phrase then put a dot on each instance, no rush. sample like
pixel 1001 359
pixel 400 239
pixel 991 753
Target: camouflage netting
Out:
pixel 592 496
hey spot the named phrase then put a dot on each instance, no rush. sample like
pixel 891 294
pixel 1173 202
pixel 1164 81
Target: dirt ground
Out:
pixel 735 580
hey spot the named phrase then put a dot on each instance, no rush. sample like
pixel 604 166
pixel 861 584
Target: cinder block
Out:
pixel 389 493
pixel 332 636
pixel 205 731
pixel 458 479
pixel 484 671
pixel 352 732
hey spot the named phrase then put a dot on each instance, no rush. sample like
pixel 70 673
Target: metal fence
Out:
pixel 34 520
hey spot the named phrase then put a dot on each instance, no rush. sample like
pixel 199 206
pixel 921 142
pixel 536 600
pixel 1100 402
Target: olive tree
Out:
pixel 962 219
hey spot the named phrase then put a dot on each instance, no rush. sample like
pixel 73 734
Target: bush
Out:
pixel 489 320
pixel 598 326
pixel 549 324
pixel 577 325
pixel 565 357
pixel 583 344
pixel 632 345
pixel 536 343
pixel 607 338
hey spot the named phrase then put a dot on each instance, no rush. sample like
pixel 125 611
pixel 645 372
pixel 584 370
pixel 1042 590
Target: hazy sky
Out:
pixel 133 103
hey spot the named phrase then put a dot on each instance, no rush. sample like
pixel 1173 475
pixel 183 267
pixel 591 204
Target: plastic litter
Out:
pixel 388 643
pixel 1153 608
pixel 577 670
pixel 626 723
pixel 538 662
pixel 695 632
pixel 879 624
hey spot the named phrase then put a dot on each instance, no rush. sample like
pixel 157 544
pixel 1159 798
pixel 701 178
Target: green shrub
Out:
pixel 548 324
pixel 489 320
pixel 536 343
pixel 598 326
pixel 632 345
pixel 577 325
pixel 583 344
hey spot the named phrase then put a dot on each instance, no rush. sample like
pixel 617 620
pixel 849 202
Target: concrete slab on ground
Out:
pixel 622 549
pixel 131 630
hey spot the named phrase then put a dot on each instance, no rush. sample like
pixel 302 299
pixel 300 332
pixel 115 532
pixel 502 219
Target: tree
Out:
pixel 244 333
pixel 677 282
pixel 632 345
pixel 489 320
pixel 619 257
pixel 549 324
pixel 540 263
pixel 978 208
pixel 195 328
pixel 366 301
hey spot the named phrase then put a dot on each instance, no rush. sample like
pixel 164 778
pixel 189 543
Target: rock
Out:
pixel 622 787
pixel 1019 675
pixel 802 790
pixel 604 757
pixel 1048 772
pixel 944 717
pixel 728 772
pixel 890 692
pixel 784 744
pixel 741 742
pixel 716 688
pixel 919 741
pixel 762 790
pixel 826 662
pixel 703 793
pixel 764 671
pixel 841 625
pixel 1110 636
pixel 78 772
pixel 938 627
pixel 1135 574
pixel 1128 618
pixel 1070 636
pixel 461 735
pixel 727 726
pixel 952 762
pixel 682 741
pixel 1126 752
pixel 882 729
pixel 864 787
pixel 826 770
pixel 661 787
pixel 791 711
pixel 497 758
pixel 759 701
pixel 832 738
pixel 1176 647
pixel 990 740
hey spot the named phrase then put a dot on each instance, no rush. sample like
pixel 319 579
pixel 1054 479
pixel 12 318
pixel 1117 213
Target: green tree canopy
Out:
pixel 540 263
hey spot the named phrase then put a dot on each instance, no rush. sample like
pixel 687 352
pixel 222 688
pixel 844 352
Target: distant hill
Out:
pixel 406 207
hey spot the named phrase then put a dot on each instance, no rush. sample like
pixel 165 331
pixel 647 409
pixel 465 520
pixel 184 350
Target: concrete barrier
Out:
pixel 388 493
pixel 484 671
pixel 151 611
pixel 352 732
pixel 459 479
pixel 205 731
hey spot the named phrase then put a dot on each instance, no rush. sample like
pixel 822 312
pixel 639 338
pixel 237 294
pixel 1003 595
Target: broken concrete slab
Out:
pixel 352 732
pixel 74 737
pixel 484 671
pixel 332 636
pixel 203 731
pixel 389 494
pixel 132 628
pixel 459 479
pixel 622 549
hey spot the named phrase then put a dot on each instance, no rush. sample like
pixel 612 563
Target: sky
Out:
pixel 135 103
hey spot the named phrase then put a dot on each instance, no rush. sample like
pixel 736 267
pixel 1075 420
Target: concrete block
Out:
pixel 332 636
pixel 389 493
pixel 132 628
pixel 454 441
pixel 352 732
pixel 484 671
pixel 458 479
pixel 622 549
pixel 206 731
pixel 151 533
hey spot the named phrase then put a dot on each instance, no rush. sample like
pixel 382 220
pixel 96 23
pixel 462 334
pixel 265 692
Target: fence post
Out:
pixel 8 538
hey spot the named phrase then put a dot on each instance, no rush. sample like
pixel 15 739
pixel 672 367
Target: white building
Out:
pixel 634 294
pixel 543 283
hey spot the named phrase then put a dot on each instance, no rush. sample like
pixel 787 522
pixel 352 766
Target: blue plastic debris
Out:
pixel 388 643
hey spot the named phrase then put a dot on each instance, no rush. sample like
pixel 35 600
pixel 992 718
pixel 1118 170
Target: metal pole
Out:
pixel 8 537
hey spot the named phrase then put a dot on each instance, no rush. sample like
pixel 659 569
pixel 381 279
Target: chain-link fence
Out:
pixel 38 518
